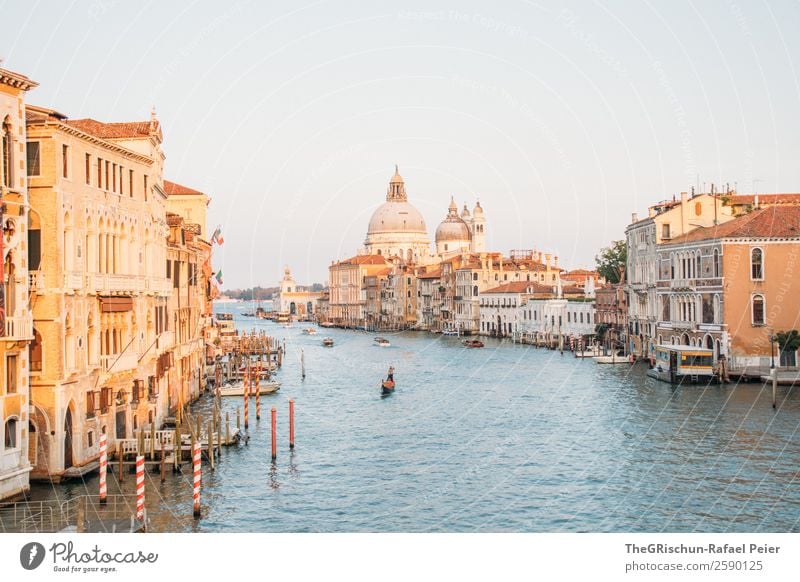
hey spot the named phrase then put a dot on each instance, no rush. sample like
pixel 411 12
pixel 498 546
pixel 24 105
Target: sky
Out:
pixel 562 118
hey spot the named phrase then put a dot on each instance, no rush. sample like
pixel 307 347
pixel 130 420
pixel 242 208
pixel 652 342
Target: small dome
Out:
pixel 465 213
pixel 477 211
pixel 453 227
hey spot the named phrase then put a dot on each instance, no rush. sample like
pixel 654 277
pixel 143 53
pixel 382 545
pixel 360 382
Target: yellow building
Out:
pixel 97 250
pixel 16 328
pixel 189 203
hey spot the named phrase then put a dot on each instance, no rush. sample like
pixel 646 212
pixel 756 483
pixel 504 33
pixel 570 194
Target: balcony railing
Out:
pixel 119 363
pixel 36 281
pixel 19 328
pixel 166 340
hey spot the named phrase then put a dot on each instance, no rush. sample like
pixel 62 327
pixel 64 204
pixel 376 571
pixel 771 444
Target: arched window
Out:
pixel 475 291
pixel 756 264
pixel 717 318
pixel 717 270
pixel 11 439
pixel 758 309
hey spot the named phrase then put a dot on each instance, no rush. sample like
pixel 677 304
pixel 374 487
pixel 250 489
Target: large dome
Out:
pixel 396 217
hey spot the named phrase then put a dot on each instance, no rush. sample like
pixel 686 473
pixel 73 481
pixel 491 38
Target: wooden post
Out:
pixel 176 449
pixel 153 439
pixel 291 424
pixel 258 391
pixel 121 458
pixel 302 364
pixel 227 429
pixel 238 423
pixel 192 440
pixel 274 434
pixel 197 418
pixel 210 444
pixel 163 453
pixel 80 524
pixel 774 373
pixel 103 467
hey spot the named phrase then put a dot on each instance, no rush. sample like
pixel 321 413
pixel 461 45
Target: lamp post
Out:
pixel 771 338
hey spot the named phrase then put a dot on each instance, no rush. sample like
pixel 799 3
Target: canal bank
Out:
pixel 504 438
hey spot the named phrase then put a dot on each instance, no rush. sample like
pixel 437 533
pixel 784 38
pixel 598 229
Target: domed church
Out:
pixel 397 229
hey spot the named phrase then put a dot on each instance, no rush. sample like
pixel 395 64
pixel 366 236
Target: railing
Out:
pixel 19 328
pixel 73 280
pixel 105 283
pixel 36 280
pixel 119 363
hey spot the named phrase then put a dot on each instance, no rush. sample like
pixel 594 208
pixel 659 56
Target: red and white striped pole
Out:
pixel 197 478
pixel 246 392
pixel 103 467
pixel 274 434
pixel 291 424
pixel 140 487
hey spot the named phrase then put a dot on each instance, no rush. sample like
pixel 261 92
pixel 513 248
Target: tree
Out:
pixel 611 261
pixel 788 341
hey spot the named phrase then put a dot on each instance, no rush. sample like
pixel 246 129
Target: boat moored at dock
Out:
pixel 683 364
pixel 237 388
pixel 327 342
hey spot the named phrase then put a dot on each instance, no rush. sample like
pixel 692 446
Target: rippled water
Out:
pixel 505 438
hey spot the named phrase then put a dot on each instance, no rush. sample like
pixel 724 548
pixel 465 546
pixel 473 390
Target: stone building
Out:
pixel 16 321
pixel 96 254
pixel 297 301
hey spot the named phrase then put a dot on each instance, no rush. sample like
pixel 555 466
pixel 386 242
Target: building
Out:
pixel 181 328
pixel 189 203
pixel 457 235
pixel 612 315
pixel 665 221
pixel 347 303
pixel 397 228
pixel 429 303
pixel 296 300
pixel 732 287
pixel 16 321
pixel 96 253
pixel 499 307
pixel 555 316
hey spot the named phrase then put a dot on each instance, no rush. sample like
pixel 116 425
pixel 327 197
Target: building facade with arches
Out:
pixel 103 337
pixel 16 322
pixel 298 301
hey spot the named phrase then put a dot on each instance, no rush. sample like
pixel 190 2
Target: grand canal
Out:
pixel 505 438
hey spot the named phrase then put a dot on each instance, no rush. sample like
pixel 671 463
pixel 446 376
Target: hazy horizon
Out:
pixel 563 119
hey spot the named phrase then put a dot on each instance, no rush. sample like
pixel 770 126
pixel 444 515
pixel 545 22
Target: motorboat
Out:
pixel 237 388
pixel 472 343
pixel 450 332
pixel 310 331
pixel 383 342
pixel 683 364
pixel 327 342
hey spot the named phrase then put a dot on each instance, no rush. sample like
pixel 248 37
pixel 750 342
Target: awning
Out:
pixel 114 304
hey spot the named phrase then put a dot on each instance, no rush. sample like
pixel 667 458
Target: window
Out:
pixel 90 404
pixel 144 183
pixel 756 264
pixel 475 291
pixel 34 166
pixel 717 271
pixel 758 310
pixel 87 168
pixel 130 183
pixel 114 177
pixel 7 157
pixel 108 167
pixel 64 161
pixel 474 276
pixel 121 182
pixel 11 374
pixel 11 433
pixel 665 230
pixel 169 269
pixel 99 172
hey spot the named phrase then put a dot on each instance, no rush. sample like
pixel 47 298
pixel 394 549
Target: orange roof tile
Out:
pixel 769 222
pixel 173 189
pixel 521 287
pixel 125 129
pixel 766 199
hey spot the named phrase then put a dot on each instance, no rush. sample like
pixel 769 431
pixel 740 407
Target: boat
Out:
pixel 327 342
pixel 472 343
pixel 237 388
pixel 616 357
pixel 387 387
pixel 683 364
pixel 310 331
pixel 449 332
pixel 383 342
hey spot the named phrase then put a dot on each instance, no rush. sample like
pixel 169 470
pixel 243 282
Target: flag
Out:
pixel 220 240
pixel 219 276
pixel 217 236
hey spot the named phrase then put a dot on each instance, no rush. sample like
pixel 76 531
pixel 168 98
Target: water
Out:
pixel 504 438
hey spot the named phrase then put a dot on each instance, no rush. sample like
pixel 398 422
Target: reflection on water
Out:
pixel 505 438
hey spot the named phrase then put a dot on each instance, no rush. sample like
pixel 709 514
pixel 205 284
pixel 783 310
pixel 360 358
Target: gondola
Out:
pixel 473 343
pixel 387 387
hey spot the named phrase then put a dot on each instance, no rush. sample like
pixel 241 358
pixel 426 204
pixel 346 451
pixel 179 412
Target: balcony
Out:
pixel 166 340
pixel 683 284
pixel 36 280
pixel 73 280
pixel 119 363
pixel 19 328
pixel 114 283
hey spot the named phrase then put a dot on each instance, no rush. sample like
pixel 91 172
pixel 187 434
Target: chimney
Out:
pixel 684 197
pixel 547 258
pixel 755 201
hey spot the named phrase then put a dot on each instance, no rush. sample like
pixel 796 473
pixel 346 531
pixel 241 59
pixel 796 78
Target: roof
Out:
pixel 364 260
pixel 765 199
pixel 173 189
pixel 770 222
pixel 434 274
pixel 119 130
pixel 520 287
pixel 16 80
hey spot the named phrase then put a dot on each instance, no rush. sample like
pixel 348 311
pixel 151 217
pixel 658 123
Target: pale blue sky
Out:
pixel 563 118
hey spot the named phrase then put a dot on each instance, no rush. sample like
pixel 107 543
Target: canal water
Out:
pixel 504 438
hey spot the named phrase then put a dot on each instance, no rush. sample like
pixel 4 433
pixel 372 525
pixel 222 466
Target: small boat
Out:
pixel 310 331
pixel 328 342
pixel 449 332
pixel 237 388
pixel 473 343
pixel 387 387
pixel 383 342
